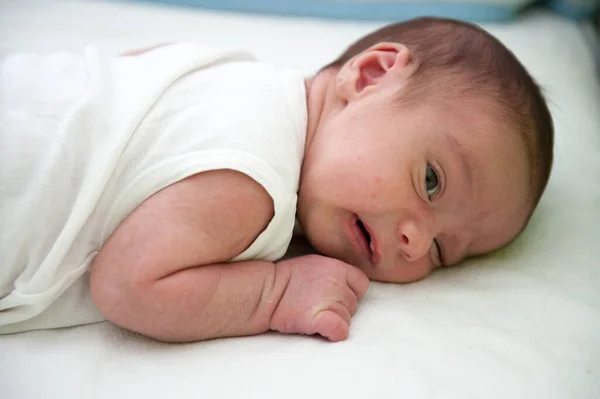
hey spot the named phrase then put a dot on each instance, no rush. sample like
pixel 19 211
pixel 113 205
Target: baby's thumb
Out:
pixel 331 325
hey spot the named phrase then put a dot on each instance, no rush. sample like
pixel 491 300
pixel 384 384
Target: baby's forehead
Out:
pixel 464 111
pixel 481 116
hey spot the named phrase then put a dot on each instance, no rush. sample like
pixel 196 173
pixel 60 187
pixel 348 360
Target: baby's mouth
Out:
pixel 366 237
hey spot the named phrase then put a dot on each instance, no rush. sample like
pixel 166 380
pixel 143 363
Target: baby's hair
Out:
pixel 453 57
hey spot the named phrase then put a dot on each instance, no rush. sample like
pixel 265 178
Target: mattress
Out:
pixel 523 322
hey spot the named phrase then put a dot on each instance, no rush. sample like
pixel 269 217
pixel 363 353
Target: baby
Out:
pixel 159 189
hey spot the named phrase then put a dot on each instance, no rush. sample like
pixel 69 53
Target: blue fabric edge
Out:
pixel 357 11
pixel 569 10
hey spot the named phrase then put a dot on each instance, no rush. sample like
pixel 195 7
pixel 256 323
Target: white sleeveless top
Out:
pixel 85 140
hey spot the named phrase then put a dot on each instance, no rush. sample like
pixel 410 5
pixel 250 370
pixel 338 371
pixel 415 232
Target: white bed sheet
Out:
pixel 522 323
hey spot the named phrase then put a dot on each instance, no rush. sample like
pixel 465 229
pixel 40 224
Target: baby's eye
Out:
pixel 432 183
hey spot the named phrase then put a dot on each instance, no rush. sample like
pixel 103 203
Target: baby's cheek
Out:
pixel 376 187
pixel 359 182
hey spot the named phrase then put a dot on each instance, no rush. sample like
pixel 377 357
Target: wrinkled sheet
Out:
pixel 521 323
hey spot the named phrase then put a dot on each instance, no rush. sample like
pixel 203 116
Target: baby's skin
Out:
pixel 387 193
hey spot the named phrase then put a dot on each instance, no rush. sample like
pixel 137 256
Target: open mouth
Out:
pixel 366 237
pixel 364 231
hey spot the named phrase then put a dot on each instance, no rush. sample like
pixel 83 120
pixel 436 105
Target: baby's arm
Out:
pixel 162 272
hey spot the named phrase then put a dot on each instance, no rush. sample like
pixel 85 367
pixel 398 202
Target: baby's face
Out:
pixel 399 192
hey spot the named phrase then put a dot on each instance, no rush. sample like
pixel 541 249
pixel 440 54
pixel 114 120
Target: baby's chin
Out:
pixel 399 279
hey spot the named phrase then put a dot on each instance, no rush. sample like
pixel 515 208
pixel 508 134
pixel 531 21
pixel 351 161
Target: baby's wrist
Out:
pixel 273 294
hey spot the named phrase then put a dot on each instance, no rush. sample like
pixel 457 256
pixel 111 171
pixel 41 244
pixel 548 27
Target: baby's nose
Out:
pixel 414 240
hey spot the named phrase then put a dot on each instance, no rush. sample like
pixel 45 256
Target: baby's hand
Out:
pixel 321 296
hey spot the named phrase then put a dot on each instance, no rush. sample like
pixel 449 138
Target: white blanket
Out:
pixel 522 323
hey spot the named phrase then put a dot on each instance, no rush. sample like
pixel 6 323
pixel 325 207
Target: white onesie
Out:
pixel 85 140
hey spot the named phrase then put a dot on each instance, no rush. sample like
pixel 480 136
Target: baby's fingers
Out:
pixel 349 300
pixel 357 281
pixel 331 325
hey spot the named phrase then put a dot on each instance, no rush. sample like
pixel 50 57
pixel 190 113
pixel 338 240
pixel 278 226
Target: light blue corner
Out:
pixel 357 10
pixel 573 10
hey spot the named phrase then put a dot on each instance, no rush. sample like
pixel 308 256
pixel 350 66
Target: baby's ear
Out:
pixel 369 69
